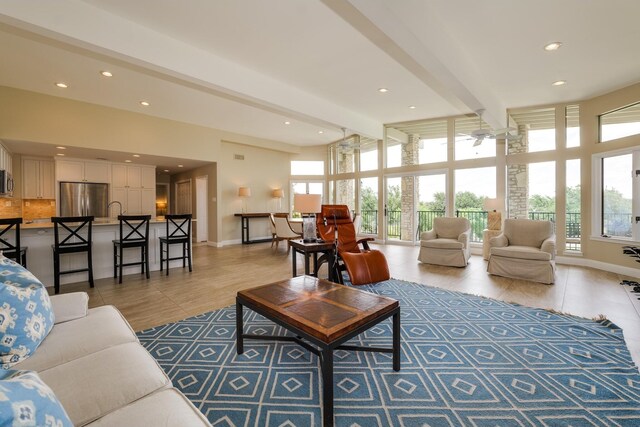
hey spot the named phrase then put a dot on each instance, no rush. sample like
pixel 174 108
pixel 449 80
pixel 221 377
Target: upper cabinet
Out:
pixel 83 171
pixel 133 176
pixel 135 187
pixel 38 178
pixel 5 159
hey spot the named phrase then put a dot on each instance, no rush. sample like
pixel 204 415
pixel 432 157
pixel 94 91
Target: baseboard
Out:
pixel 585 262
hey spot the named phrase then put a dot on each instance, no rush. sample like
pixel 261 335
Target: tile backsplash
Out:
pixel 28 209
pixel 38 208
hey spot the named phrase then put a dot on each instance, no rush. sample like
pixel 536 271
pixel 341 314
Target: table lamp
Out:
pixel 244 192
pixel 494 217
pixel 278 193
pixel 308 205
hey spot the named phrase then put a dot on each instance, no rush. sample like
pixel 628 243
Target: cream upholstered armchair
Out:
pixel 526 249
pixel 447 243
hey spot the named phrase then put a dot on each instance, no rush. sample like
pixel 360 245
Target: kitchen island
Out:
pixel 39 238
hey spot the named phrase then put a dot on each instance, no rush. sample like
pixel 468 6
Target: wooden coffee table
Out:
pixel 323 315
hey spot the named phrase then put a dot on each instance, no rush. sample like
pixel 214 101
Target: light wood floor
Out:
pixel 220 272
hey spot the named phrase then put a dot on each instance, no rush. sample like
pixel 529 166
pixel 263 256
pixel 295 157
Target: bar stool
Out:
pixel 136 228
pixel 74 242
pixel 181 234
pixel 9 250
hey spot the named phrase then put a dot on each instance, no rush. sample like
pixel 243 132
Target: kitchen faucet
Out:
pixel 113 203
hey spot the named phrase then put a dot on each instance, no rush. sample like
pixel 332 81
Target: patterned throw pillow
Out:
pixel 26 401
pixel 26 316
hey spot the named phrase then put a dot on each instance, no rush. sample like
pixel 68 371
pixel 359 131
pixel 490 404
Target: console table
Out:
pixel 245 217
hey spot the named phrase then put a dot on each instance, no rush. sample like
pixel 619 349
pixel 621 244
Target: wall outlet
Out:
pixel 7 203
pixel 53 203
pixel 27 203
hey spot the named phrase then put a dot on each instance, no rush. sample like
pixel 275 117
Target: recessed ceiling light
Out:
pixel 145 103
pixel 59 154
pixel 412 107
pixel 166 170
pixel 136 155
pixel 383 90
pixel 180 166
pixel 62 85
pixel 552 46
pixel 287 123
pixel 128 161
pixel 320 132
pixel 106 73
pixel 559 83
pixel 60 147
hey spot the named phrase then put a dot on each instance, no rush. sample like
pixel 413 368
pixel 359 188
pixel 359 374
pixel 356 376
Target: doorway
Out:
pixel 183 197
pixel 202 212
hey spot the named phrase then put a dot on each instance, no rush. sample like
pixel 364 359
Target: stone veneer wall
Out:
pixel 345 188
pixel 407 187
pixel 518 178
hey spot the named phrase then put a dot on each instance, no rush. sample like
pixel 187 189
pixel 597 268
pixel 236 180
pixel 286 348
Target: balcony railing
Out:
pixel 615 224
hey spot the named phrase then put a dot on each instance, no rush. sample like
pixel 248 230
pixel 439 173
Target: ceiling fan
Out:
pixel 347 144
pixel 480 134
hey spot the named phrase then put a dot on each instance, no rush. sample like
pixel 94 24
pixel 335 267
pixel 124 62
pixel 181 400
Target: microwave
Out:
pixel 6 183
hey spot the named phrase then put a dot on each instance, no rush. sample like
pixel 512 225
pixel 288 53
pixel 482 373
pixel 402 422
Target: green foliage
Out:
pixel 540 203
pixel 369 199
pixel 466 200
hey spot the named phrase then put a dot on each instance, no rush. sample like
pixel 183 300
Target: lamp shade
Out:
pixel 307 203
pixel 244 192
pixel 278 193
pixel 493 205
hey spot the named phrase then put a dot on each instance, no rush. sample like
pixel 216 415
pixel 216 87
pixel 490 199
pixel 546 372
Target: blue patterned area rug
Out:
pixel 466 361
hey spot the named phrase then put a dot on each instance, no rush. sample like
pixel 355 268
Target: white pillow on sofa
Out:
pixel 26 316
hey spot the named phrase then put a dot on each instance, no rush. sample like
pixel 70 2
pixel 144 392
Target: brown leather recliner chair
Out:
pixel 364 265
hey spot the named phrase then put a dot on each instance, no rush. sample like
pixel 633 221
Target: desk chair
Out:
pixel 74 242
pixel 180 235
pixel 134 233
pixel 12 250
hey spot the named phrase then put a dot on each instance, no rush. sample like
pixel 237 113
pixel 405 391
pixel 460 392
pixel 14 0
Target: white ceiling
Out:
pixel 247 66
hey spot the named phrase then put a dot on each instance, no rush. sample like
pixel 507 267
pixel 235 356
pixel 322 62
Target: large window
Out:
pixel 620 123
pixel 307 167
pixel 573 208
pixel 542 191
pixel 369 205
pixel 572 122
pixel 617 200
pixel 473 186
pixel 537 128
pixel 368 154
pixel 345 193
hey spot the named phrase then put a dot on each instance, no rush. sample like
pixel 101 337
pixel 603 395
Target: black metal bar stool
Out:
pixel 74 242
pixel 181 234
pixel 12 250
pixel 134 233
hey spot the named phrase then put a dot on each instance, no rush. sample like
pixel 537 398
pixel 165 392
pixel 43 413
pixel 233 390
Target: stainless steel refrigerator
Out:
pixel 84 199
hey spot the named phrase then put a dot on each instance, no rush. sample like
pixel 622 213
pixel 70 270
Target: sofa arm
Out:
pixel 549 246
pixel 69 306
pixel 464 238
pixel 499 241
pixel 428 235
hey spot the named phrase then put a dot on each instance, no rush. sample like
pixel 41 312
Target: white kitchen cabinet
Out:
pixel 38 178
pixel 135 187
pixel 83 171
pixel 5 159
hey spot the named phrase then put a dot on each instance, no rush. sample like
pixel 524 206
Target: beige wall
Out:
pixel 210 171
pixel 262 170
pixel 607 252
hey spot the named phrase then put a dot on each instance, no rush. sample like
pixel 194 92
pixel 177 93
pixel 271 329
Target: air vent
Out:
pixel 238 156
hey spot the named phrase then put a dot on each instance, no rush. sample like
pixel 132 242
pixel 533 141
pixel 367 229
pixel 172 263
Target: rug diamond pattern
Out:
pixel 466 361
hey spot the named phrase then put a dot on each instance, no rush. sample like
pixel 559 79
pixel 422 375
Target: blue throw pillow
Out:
pixel 26 401
pixel 26 316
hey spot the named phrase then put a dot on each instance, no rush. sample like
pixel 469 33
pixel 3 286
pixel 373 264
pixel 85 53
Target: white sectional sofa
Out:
pixel 101 374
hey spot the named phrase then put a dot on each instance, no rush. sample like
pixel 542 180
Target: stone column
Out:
pixel 345 192
pixel 518 178
pixel 409 157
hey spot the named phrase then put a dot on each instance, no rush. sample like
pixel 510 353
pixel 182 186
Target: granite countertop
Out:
pixel 98 222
